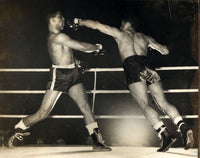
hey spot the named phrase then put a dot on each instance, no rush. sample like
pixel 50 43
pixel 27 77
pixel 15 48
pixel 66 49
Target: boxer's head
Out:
pixel 56 20
pixel 127 25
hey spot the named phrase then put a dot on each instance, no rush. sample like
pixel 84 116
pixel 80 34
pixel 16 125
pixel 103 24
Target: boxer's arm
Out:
pixel 157 46
pixel 65 40
pixel 112 31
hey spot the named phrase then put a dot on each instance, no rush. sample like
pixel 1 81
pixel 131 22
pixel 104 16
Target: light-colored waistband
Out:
pixel 70 66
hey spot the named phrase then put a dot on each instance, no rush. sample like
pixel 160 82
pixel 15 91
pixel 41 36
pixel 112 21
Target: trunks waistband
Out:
pixel 70 66
pixel 139 59
pixel 136 57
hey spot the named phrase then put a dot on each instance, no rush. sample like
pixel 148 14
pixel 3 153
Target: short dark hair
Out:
pixel 52 15
pixel 132 19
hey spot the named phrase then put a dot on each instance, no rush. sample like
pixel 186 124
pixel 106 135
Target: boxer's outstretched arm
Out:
pixel 112 31
pixel 157 46
pixel 65 40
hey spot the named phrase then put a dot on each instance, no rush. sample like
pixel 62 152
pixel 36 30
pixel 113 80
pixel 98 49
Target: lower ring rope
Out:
pixel 99 116
pixel 101 69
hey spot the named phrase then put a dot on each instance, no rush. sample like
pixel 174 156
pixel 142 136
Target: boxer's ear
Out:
pixel 52 20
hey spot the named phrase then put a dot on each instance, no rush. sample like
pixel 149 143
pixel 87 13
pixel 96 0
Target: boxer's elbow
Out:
pixel 165 50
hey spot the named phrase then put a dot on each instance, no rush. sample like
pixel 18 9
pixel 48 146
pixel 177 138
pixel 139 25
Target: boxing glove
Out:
pixel 73 23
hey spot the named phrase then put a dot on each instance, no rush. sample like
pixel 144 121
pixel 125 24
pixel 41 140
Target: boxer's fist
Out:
pixel 150 76
pixel 100 50
pixel 73 23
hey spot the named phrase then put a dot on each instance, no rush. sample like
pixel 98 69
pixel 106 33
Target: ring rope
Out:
pixel 96 91
pixel 100 116
pixel 100 69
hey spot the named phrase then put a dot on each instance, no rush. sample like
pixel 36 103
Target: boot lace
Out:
pixel 99 137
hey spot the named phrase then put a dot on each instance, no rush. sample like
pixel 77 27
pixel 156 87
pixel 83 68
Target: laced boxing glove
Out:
pixel 100 50
pixel 83 66
pixel 149 76
pixel 74 23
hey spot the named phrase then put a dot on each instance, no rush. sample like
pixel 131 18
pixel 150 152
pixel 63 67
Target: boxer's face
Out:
pixel 59 21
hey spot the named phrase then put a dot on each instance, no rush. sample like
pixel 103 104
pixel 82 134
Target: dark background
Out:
pixel 23 37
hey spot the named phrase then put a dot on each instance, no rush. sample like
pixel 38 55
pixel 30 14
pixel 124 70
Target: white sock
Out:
pixel 158 125
pixel 21 125
pixel 177 120
pixel 91 127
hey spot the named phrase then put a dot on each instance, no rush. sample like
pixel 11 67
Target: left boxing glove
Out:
pixel 83 66
pixel 73 23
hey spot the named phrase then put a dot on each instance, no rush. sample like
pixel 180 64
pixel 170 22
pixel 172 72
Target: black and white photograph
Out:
pixel 99 78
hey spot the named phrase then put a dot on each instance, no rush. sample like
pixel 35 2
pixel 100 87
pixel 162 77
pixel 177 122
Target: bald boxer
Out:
pixel 65 78
pixel 141 77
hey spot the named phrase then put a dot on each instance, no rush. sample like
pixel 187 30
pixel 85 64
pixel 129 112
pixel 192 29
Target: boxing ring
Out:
pixel 86 151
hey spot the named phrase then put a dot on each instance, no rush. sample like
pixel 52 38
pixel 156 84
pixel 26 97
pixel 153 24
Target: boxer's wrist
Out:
pixel 99 50
pixel 99 47
pixel 77 21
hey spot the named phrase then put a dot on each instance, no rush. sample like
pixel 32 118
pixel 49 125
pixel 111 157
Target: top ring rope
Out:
pixel 99 69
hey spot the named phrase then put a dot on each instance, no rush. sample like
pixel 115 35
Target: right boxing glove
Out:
pixel 73 23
